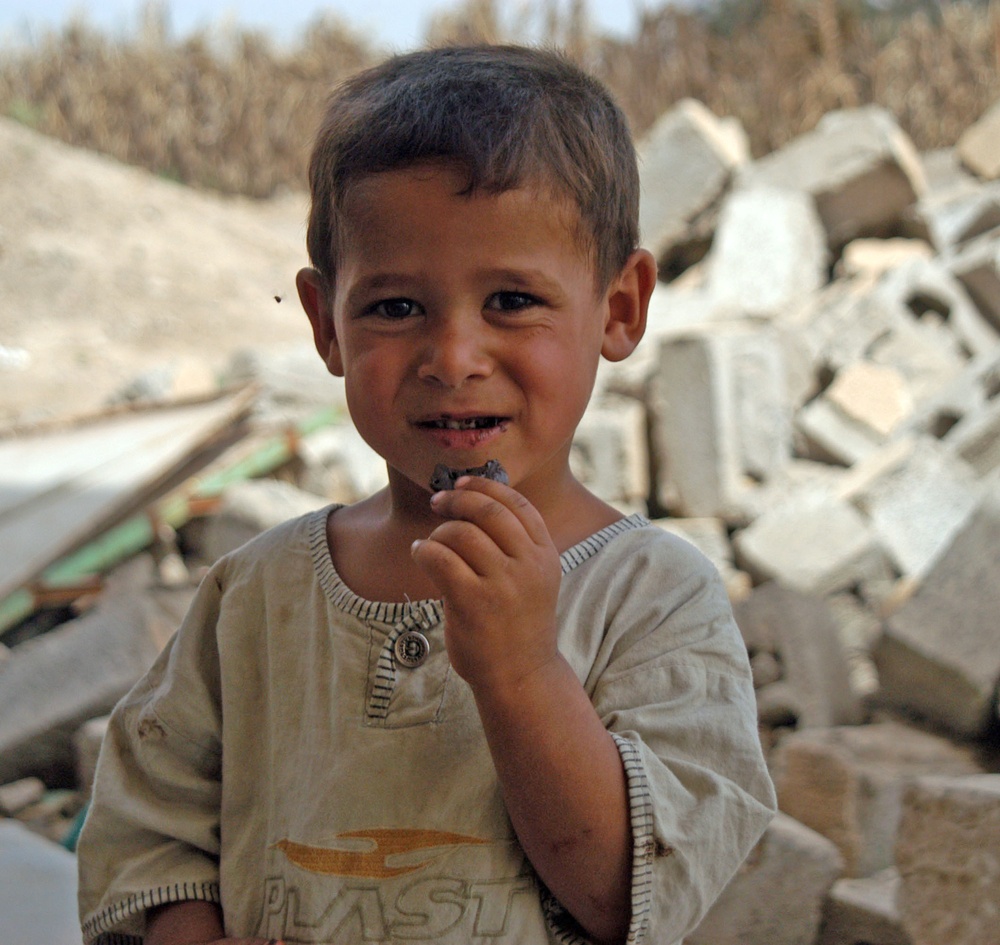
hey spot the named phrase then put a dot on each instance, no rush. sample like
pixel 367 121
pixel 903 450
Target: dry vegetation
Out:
pixel 232 112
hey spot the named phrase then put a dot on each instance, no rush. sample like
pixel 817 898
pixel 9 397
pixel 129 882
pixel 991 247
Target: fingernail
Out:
pixel 416 545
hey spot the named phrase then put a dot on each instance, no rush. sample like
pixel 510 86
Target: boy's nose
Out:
pixel 454 352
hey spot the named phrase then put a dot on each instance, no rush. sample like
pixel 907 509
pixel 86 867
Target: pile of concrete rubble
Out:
pixel 816 406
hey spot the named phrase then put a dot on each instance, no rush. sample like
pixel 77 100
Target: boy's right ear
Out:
pixel 315 295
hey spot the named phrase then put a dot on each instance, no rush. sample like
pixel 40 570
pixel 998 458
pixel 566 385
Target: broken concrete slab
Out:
pixel 956 217
pixel 799 630
pixel 839 324
pixel 979 145
pixel 60 487
pixel 769 251
pixel 53 684
pixel 917 495
pixel 864 912
pixel 939 653
pixel 811 542
pixel 720 416
pixel 686 161
pixel 858 165
pixel 37 889
pixel 977 267
pixel 926 292
pixel 777 896
pixel 872 395
pixel 859 629
pixel 856 414
pixel 875 257
pixel 949 870
pixel 847 783
pixel 976 439
pixel 972 390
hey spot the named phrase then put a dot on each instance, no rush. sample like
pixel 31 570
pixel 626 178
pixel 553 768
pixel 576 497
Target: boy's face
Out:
pixel 467 328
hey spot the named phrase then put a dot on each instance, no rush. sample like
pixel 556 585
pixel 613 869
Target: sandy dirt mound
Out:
pixel 107 271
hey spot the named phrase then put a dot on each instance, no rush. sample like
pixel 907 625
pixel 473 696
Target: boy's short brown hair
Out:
pixel 509 116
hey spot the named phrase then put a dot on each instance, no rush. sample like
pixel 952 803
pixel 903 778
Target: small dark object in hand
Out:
pixel 445 477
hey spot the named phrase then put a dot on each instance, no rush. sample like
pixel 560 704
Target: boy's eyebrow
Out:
pixel 537 280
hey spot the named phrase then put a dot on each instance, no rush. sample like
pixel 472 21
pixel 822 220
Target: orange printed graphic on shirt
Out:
pixel 373 863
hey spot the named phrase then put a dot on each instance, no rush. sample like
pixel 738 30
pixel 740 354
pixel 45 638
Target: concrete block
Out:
pixel 249 508
pixel 926 292
pixel 858 165
pixel 813 543
pixel 610 452
pixel 720 416
pixel 686 162
pixel 54 683
pixel 856 413
pixel 976 439
pixel 939 654
pixel 863 912
pixel 928 356
pixel 977 267
pixel 847 783
pixel 777 896
pixel 965 395
pixel 840 323
pixel 37 889
pixel 979 145
pixel 948 861
pixel 874 257
pixel 800 632
pixel 917 496
pixel 859 629
pixel 957 216
pixel 769 251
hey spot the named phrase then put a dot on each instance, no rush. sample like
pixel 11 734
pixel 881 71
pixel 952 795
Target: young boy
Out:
pixel 496 713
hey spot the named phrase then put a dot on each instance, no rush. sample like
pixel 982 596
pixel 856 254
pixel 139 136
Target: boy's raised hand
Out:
pixel 498 573
pixel 560 772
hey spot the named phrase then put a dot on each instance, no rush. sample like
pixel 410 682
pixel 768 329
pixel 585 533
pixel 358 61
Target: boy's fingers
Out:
pixel 443 564
pixel 463 502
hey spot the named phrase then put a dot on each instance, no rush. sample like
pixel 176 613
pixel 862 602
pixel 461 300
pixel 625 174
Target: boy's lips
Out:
pixel 462 431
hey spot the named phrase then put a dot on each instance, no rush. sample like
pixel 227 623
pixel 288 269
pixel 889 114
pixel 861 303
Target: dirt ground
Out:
pixel 107 272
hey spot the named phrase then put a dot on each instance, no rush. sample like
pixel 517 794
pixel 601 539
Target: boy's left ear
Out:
pixel 628 303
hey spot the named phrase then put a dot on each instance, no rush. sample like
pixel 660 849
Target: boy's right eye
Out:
pixel 393 309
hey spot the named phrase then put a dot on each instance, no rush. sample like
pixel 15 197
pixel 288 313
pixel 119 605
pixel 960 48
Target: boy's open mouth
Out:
pixel 468 423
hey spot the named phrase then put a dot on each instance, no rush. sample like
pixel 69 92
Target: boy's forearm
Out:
pixel 184 923
pixel 566 793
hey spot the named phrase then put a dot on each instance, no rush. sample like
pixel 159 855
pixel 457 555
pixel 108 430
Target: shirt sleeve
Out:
pixel 151 835
pixel 675 691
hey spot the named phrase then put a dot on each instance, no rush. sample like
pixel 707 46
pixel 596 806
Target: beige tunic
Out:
pixel 280 759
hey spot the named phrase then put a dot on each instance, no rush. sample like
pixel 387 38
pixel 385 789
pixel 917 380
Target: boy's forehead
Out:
pixel 363 203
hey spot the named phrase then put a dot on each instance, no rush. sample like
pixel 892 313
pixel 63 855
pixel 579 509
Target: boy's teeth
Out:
pixel 470 424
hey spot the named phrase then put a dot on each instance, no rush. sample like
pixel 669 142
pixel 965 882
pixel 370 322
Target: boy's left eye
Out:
pixel 511 301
